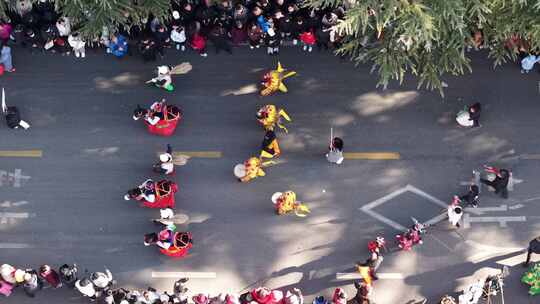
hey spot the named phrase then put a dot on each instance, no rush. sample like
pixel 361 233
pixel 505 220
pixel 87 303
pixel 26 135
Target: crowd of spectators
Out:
pixel 190 25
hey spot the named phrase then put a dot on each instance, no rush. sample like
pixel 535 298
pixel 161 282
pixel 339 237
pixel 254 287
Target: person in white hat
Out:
pixel 163 79
pixel 165 165
pixel 455 212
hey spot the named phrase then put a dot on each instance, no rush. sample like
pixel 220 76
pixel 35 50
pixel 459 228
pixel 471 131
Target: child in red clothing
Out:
pixel 198 43
pixel 308 40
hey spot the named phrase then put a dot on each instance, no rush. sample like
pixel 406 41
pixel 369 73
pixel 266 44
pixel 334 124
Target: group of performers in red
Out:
pixel 162 119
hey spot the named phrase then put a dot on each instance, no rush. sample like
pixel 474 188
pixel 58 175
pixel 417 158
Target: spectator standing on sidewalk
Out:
pixel 527 63
pixel 5 58
pixel 178 37
pixel 77 44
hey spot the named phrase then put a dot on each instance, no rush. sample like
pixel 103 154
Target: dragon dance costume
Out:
pixel 269 116
pixel 273 81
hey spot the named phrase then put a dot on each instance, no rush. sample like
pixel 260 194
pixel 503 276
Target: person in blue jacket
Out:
pixel 119 45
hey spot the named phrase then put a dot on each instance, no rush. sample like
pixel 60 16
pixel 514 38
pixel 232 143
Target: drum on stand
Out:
pixel 462 119
pixel 276 196
pixel 240 170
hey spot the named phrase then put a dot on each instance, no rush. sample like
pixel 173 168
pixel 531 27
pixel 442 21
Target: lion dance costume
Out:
pixel 286 202
pixel 269 116
pixel 253 167
pixel 273 81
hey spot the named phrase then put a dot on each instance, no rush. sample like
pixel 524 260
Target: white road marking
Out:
pixel 14 246
pixel 178 275
pixel 512 182
pixel 487 252
pixel 14 179
pixel 6 216
pixel 482 210
pixel 517 259
pixel 502 220
pixel 7 204
pixel 439 218
pixel 517 206
pixel 357 276
pixel 409 188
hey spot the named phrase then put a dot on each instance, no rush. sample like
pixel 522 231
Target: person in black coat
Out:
pixel 534 247
pixel 218 36
pixel 474 114
pixel 147 48
pixel 162 39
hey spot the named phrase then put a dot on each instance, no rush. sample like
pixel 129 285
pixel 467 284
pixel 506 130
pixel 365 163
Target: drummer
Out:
pixel 252 169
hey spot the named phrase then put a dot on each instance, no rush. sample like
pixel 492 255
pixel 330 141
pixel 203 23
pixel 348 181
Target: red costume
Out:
pixel 165 191
pixel 308 38
pixel 167 125
pixel 182 243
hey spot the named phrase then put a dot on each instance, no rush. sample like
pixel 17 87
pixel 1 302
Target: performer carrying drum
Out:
pixel 470 117
pixel 13 117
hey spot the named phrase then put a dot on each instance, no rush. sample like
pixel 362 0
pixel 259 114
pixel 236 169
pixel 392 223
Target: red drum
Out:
pixel 182 244
pixel 164 195
pixel 166 127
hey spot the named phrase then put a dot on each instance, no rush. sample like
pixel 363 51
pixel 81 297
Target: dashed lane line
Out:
pixel 199 154
pixel 21 153
pixel 14 246
pixel 178 275
pixel 372 155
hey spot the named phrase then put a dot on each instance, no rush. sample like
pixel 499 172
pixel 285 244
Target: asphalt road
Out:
pixel 93 152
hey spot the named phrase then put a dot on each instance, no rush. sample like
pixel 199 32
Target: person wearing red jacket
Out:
pixel 308 40
pixel 198 43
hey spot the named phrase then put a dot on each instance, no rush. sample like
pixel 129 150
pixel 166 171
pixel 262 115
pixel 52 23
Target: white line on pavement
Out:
pixel 14 245
pixel 502 220
pixel 385 220
pixel 516 206
pixel 357 276
pixel 14 215
pixel 482 210
pixel 178 275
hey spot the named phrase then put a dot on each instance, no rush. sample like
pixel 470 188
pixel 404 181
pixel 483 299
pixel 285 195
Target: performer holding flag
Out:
pixel 164 73
pixel 335 153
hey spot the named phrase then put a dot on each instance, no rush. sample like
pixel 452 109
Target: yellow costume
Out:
pixel 286 202
pixel 269 116
pixel 273 81
pixel 270 146
pixel 253 169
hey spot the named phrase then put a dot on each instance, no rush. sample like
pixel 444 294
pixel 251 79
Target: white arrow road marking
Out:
pixel 357 276
pixel 502 220
pixel 14 246
pixel 482 210
pixel 178 275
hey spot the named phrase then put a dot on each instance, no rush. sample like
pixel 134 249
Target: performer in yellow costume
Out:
pixel 269 116
pixel 253 169
pixel 273 81
pixel 286 202
pixel 270 146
